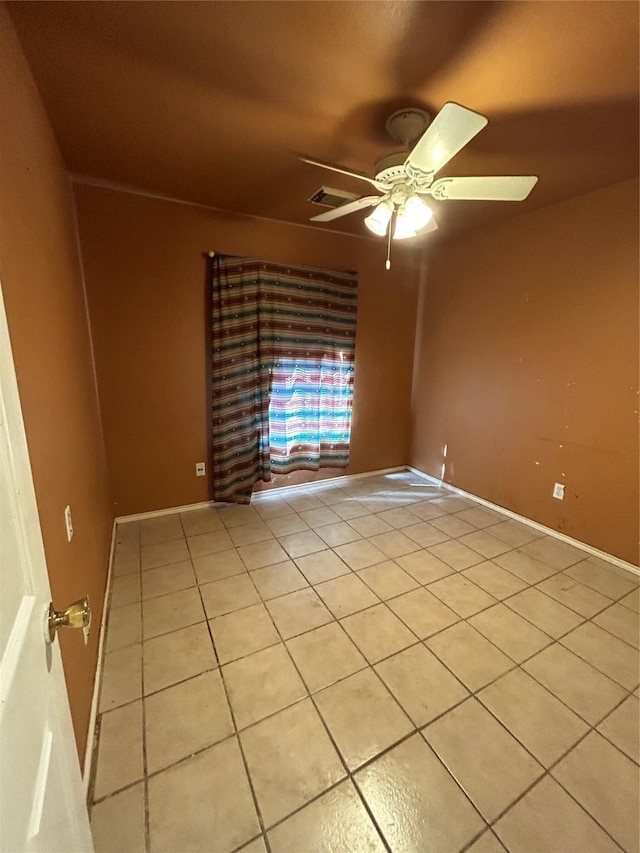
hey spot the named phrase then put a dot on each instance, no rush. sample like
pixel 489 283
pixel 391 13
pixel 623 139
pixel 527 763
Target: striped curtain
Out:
pixel 283 341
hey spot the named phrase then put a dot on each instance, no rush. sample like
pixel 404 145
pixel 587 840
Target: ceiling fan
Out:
pixel 404 182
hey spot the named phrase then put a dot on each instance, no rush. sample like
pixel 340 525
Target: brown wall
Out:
pixel 527 366
pixel 43 293
pixel 145 279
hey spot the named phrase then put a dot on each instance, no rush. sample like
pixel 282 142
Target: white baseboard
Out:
pixel 155 513
pixel 281 491
pixel 589 549
pixel 88 753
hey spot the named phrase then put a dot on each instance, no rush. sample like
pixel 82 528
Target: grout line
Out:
pixel 545 531
pixel 349 775
pixel 422 641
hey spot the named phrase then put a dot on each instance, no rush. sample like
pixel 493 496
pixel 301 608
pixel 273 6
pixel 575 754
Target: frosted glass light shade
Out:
pixel 418 212
pixel 413 215
pixel 403 229
pixel 378 221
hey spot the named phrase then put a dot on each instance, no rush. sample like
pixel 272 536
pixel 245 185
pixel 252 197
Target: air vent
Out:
pixel 328 197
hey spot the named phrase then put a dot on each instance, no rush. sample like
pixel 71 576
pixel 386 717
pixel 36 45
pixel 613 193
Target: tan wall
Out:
pixel 44 299
pixel 145 278
pixel 527 366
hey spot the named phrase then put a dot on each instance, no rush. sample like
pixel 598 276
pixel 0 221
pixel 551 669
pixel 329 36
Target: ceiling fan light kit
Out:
pixel 403 181
pixel 378 221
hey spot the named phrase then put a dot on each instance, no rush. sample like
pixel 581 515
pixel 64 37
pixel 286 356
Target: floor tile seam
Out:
pixel 179 538
pixel 616 599
pixel 594 666
pixel 628 607
pixel 451 607
pixel 254 542
pixel 472 692
pixel 171 563
pixel 616 603
pixel 542 768
pixel 528 657
pixel 93 770
pixel 171 592
pixel 562 701
pixel 187 559
pixel 111 607
pixel 529 622
pixel 520 666
pixel 578 803
pixel 538 781
pixel 568 606
pixel 421 728
pixel 182 681
pixel 147 820
pixel 245 728
pixel 395 595
pixel 125 574
pixel 486 831
pixel 366 664
pixel 328 733
pixel 353 612
pixel 636 649
pixel 310 696
pixel 258 837
pixel 612 743
pixel 164 633
pixel 589 726
pixel 451 776
pixel 254 798
pixel 139 781
pixel 183 759
pixel 91 795
pixel 236 734
pixel 606 630
pixel 386 657
pixel 527 619
pixel 316 797
pixel 554 572
pixel 435 633
pixel 264 599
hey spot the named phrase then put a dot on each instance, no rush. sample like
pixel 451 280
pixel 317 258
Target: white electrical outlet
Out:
pixel 201 469
pixel 558 491
pixel 69 523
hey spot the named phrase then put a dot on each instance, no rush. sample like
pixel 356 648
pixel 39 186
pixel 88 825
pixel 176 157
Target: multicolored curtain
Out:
pixel 283 341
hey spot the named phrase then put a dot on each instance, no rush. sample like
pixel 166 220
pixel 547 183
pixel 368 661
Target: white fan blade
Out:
pixel 503 188
pixel 360 175
pixel 344 209
pixel 450 131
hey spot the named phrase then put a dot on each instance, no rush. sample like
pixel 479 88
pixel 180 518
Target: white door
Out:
pixel 42 804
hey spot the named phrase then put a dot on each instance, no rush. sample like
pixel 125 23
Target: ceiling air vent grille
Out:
pixel 328 197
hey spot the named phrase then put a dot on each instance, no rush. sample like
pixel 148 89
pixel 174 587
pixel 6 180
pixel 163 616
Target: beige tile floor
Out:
pixel 379 666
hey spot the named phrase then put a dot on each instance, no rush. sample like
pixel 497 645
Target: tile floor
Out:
pixel 379 666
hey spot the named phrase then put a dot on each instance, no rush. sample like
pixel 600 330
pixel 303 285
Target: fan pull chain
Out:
pixel 392 223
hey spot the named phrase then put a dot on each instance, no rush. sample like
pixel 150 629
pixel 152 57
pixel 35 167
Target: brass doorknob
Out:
pixel 77 615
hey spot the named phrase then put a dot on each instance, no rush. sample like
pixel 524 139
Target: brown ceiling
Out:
pixel 208 101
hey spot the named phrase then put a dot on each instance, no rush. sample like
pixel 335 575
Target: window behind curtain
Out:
pixel 282 371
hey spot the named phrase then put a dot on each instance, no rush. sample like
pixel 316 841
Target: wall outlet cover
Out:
pixel 558 491
pixel 201 469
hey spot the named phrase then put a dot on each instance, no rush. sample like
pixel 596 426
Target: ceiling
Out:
pixel 209 101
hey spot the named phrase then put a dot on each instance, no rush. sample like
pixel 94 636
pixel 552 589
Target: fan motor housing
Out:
pixel 391 167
